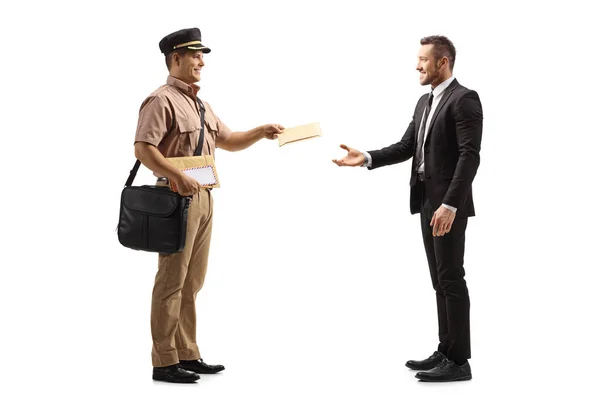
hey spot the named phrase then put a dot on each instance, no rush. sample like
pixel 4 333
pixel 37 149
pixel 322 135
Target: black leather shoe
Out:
pixel 426 364
pixel 200 366
pixel 446 371
pixel 174 373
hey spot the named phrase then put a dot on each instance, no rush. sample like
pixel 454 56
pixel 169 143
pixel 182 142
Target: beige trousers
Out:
pixel 179 278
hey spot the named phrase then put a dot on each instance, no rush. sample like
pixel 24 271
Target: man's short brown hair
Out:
pixel 442 47
pixel 169 57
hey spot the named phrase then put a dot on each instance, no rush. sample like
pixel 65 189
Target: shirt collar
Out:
pixel 190 90
pixel 442 86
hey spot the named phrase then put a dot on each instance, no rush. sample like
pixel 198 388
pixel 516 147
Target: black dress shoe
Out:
pixel 446 371
pixel 426 364
pixel 200 366
pixel 174 373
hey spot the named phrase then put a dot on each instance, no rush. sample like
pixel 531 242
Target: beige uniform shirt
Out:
pixel 170 120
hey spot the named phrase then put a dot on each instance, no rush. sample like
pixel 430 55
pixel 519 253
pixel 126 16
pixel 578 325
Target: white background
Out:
pixel 317 285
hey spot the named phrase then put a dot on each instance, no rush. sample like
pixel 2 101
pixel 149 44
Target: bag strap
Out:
pixel 201 140
pixel 197 152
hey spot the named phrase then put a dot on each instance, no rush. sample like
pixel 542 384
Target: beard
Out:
pixel 430 76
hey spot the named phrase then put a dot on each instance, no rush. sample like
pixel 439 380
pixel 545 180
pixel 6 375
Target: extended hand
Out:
pixel 442 221
pixel 354 158
pixel 271 131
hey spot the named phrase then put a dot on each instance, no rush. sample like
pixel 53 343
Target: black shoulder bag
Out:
pixel 154 218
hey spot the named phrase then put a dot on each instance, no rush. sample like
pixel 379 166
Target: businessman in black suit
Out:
pixel 443 140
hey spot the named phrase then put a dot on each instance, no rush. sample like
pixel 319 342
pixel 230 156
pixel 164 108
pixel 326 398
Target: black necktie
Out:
pixel 419 153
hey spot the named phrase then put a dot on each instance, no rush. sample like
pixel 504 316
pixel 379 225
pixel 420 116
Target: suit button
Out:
pixel 426 151
pixel 427 176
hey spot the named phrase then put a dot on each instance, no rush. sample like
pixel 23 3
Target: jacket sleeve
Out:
pixel 469 124
pixel 397 152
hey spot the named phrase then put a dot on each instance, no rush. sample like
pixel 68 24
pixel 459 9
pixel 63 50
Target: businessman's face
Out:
pixel 427 66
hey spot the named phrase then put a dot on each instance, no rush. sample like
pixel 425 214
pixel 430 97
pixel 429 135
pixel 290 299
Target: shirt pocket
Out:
pixel 211 126
pixel 189 133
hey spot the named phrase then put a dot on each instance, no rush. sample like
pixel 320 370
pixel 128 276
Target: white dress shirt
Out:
pixel 437 96
pixel 438 92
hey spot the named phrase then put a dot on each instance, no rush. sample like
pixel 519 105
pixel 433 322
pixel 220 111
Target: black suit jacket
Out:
pixel 451 150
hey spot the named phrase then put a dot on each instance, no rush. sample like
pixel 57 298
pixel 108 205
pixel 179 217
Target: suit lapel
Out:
pixel 420 114
pixel 445 96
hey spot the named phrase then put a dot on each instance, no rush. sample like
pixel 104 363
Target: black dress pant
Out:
pixel 445 256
